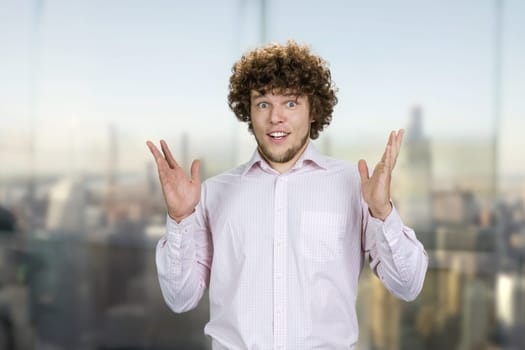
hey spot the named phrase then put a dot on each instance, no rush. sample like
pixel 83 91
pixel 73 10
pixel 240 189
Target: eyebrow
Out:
pixel 259 94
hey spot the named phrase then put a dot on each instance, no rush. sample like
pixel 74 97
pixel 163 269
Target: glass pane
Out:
pixel 84 84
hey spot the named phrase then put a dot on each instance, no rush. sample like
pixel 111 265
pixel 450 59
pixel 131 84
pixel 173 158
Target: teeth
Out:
pixel 278 134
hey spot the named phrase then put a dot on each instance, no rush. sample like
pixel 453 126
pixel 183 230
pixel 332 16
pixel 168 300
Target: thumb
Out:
pixel 195 167
pixel 363 170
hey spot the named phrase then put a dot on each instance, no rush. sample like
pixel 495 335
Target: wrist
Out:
pixel 381 213
pixel 179 218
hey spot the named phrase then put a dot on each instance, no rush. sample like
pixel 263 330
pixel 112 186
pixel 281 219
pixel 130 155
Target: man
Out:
pixel 281 240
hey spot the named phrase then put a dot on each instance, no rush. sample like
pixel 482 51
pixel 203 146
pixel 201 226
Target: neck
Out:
pixel 282 167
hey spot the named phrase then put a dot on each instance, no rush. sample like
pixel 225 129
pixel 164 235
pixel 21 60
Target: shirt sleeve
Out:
pixel 183 258
pixel 396 256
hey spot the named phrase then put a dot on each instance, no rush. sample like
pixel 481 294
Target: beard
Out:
pixel 284 157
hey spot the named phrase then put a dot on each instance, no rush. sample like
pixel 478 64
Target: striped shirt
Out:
pixel 282 254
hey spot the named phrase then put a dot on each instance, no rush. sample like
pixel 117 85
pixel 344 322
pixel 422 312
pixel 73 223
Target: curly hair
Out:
pixel 280 68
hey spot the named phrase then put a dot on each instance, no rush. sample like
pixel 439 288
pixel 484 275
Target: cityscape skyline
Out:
pixel 84 84
pixel 105 231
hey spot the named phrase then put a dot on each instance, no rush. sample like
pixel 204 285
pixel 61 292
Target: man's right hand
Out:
pixel 181 193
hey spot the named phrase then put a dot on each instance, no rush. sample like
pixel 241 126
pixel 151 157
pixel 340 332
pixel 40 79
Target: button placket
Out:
pixel 279 263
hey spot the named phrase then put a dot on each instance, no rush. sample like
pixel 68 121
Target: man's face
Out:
pixel 281 125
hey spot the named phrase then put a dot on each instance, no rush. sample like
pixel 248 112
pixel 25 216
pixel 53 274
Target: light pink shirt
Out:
pixel 282 254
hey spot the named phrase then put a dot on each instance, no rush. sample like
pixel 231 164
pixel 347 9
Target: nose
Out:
pixel 276 115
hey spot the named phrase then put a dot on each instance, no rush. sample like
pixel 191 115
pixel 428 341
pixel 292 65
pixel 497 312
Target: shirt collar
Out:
pixel 309 156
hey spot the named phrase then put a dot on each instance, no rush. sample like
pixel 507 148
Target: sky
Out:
pixel 159 69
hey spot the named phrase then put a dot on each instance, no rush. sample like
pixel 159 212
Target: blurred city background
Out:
pixel 83 85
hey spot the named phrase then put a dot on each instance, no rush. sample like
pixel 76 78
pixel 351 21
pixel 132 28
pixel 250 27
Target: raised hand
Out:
pixel 181 193
pixel 376 188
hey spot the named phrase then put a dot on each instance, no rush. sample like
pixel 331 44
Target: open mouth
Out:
pixel 278 135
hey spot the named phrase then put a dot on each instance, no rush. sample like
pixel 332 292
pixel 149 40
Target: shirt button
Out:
pixel 278 276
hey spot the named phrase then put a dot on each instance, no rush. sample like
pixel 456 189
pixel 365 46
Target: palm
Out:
pixel 376 188
pixel 181 193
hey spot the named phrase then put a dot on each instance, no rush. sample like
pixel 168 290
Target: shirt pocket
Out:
pixel 322 235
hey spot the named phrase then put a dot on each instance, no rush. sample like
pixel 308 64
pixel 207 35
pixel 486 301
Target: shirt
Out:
pixel 282 255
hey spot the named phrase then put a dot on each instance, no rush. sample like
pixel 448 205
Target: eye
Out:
pixel 291 104
pixel 262 105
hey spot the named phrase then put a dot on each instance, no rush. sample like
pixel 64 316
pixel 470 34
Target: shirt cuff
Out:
pixel 391 228
pixel 173 226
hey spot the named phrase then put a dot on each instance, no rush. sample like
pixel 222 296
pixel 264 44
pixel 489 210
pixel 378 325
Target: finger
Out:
pixel 162 164
pixel 155 151
pixel 167 154
pixel 391 137
pixel 363 170
pixel 195 167
pixel 390 141
pixel 400 135
pixel 397 140
pixel 397 146
pixel 388 157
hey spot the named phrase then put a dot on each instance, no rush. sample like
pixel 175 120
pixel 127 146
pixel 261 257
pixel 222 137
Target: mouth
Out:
pixel 278 136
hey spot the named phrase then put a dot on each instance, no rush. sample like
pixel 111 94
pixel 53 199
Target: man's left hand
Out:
pixel 376 188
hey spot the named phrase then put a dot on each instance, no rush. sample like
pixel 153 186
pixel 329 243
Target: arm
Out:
pixel 396 256
pixel 183 255
pixel 183 258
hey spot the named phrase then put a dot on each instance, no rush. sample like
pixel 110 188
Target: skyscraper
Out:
pixel 415 175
